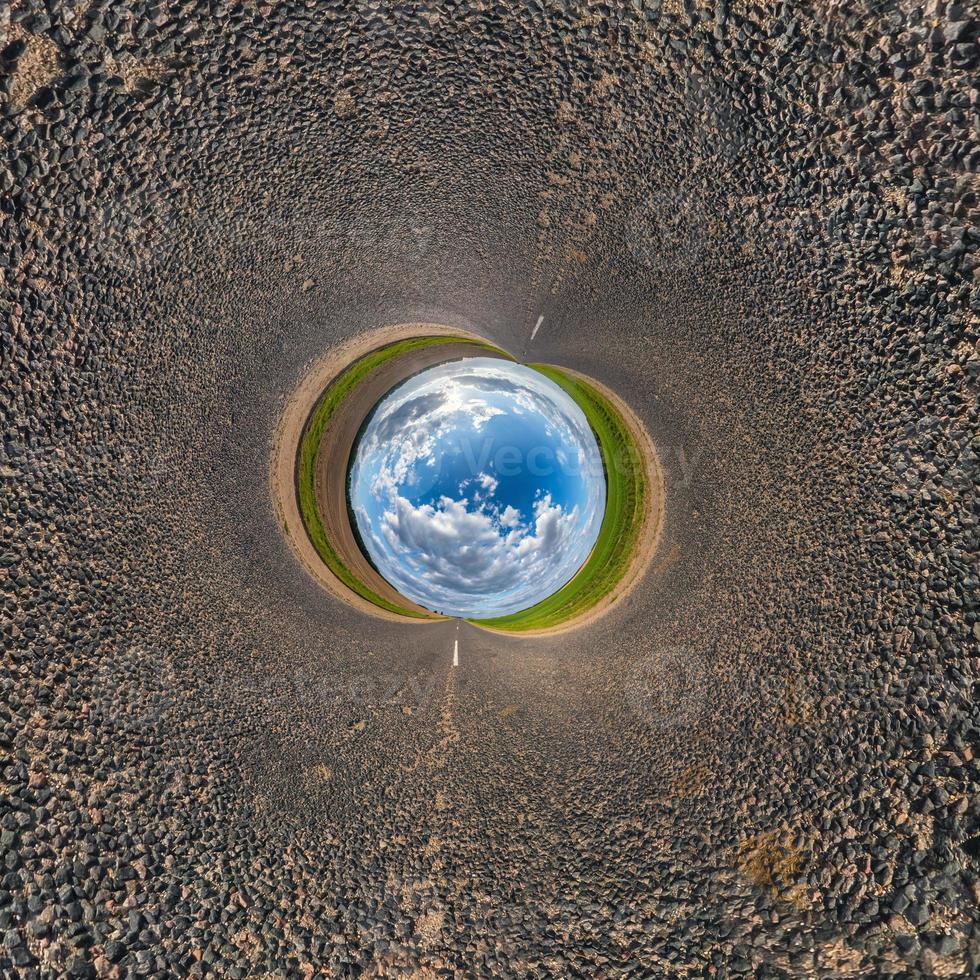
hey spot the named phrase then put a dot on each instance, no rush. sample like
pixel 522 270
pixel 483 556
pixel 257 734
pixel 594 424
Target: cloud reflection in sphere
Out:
pixel 477 487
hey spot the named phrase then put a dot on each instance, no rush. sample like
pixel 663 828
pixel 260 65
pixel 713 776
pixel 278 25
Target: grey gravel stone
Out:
pixel 756 224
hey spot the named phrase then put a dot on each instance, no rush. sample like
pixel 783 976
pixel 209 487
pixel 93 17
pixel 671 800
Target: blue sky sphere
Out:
pixel 477 487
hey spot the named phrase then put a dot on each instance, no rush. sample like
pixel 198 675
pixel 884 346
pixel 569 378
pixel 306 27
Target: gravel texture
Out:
pixel 757 224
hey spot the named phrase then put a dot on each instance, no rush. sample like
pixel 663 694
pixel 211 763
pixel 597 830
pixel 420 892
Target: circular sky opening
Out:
pixel 477 487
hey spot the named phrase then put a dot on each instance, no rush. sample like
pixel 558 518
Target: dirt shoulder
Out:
pixel 338 440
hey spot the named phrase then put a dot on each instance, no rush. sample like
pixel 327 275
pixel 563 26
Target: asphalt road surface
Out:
pixel 752 224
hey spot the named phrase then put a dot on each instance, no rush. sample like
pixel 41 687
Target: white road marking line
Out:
pixel 537 326
pixel 455 653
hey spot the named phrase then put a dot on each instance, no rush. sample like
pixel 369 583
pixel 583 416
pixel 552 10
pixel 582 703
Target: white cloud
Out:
pixel 487 482
pixel 462 559
pixel 510 517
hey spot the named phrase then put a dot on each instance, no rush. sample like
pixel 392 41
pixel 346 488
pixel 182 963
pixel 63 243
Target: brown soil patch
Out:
pixel 770 861
pixel 36 67
pixel 132 71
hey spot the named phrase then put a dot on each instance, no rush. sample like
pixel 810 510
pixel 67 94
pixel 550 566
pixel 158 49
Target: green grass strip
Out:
pixel 309 448
pixel 626 493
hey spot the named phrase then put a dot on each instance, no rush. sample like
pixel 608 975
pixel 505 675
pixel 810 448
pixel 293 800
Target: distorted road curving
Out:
pixel 755 225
